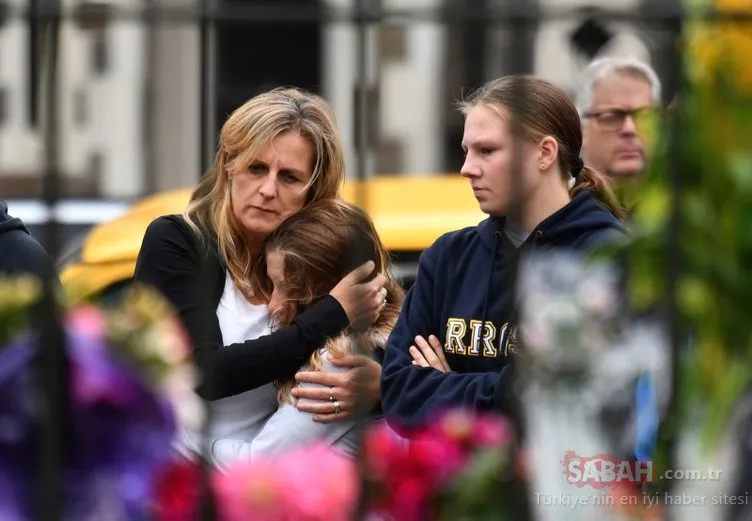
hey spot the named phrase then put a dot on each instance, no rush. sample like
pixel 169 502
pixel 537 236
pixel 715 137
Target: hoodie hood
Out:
pixel 8 223
pixel 21 253
pixel 573 226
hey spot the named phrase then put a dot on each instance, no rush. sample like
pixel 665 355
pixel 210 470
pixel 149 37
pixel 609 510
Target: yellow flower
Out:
pixel 732 5
pixel 148 305
pixel 19 292
pixel 654 209
pixel 713 358
pixel 719 49
pixel 694 296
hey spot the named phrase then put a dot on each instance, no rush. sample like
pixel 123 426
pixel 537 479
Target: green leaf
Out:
pixel 739 168
pixel 723 400
pixel 654 208
pixel 480 491
pixel 694 295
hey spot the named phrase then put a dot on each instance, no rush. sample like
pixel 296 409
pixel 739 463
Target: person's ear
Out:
pixel 548 152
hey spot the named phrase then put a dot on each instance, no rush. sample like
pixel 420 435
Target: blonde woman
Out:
pixel 278 152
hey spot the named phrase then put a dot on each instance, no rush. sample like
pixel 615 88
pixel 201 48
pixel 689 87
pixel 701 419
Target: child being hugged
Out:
pixel 303 260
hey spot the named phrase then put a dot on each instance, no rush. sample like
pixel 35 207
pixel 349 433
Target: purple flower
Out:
pixel 17 418
pixel 118 432
pixel 122 431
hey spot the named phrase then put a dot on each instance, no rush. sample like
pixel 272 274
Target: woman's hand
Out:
pixel 362 301
pixel 357 390
pixel 429 354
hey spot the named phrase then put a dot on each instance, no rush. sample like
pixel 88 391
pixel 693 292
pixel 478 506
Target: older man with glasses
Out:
pixel 619 105
pixel 618 102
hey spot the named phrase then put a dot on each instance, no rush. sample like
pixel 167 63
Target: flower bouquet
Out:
pixel 461 467
pixel 309 483
pixel 129 380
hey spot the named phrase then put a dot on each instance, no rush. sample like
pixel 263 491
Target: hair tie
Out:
pixel 577 167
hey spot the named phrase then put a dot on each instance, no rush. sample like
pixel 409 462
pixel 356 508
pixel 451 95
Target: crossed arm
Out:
pixel 359 383
pixel 416 382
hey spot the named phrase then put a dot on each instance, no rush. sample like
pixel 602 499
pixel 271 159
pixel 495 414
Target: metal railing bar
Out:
pixel 517 64
pixel 51 370
pixel 677 341
pixel 263 13
pixel 207 81
pixel 362 147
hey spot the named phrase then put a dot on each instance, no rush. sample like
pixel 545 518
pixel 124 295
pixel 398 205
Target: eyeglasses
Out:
pixel 645 118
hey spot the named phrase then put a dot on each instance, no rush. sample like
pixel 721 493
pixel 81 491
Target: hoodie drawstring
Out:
pixel 489 282
pixel 536 237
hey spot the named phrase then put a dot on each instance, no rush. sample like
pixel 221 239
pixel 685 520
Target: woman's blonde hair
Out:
pixel 320 245
pixel 250 127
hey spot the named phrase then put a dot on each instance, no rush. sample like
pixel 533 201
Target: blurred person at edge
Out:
pixel 619 105
pixel 278 152
pixel 456 330
pixel 22 254
pixel 619 102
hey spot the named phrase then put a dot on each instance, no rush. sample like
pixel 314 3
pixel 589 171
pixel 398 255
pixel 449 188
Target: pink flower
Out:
pixel 404 477
pixel 438 458
pixel 410 501
pixel 250 491
pixel 325 487
pixel 87 320
pixel 492 431
pixel 456 424
pixel 473 429
pixel 308 484
pixel 381 448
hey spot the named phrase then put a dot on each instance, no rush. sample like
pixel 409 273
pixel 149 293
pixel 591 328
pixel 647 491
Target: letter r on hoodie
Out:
pixel 455 330
pixel 483 333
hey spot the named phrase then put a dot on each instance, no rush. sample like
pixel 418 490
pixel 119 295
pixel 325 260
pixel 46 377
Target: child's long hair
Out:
pixel 320 245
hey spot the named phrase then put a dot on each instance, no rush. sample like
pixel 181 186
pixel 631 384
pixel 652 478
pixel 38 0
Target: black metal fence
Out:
pixel 521 17
pixel 521 20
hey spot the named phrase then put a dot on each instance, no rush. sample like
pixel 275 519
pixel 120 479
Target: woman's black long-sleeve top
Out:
pixel 190 275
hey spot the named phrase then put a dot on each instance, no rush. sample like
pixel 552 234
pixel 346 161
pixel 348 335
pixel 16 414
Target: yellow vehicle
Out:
pixel 409 214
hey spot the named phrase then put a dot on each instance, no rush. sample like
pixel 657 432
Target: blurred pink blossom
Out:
pixel 87 320
pixel 312 483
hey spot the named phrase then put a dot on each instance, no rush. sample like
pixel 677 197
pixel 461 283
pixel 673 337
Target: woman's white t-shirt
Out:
pixel 242 416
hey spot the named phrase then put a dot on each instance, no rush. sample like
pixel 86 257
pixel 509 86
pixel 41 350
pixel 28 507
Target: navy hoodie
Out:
pixel 465 280
pixel 20 253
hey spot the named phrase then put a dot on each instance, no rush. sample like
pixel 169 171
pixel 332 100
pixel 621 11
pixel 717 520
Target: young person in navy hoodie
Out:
pixel 464 289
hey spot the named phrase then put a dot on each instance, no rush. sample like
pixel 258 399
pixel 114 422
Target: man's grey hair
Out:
pixel 609 66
